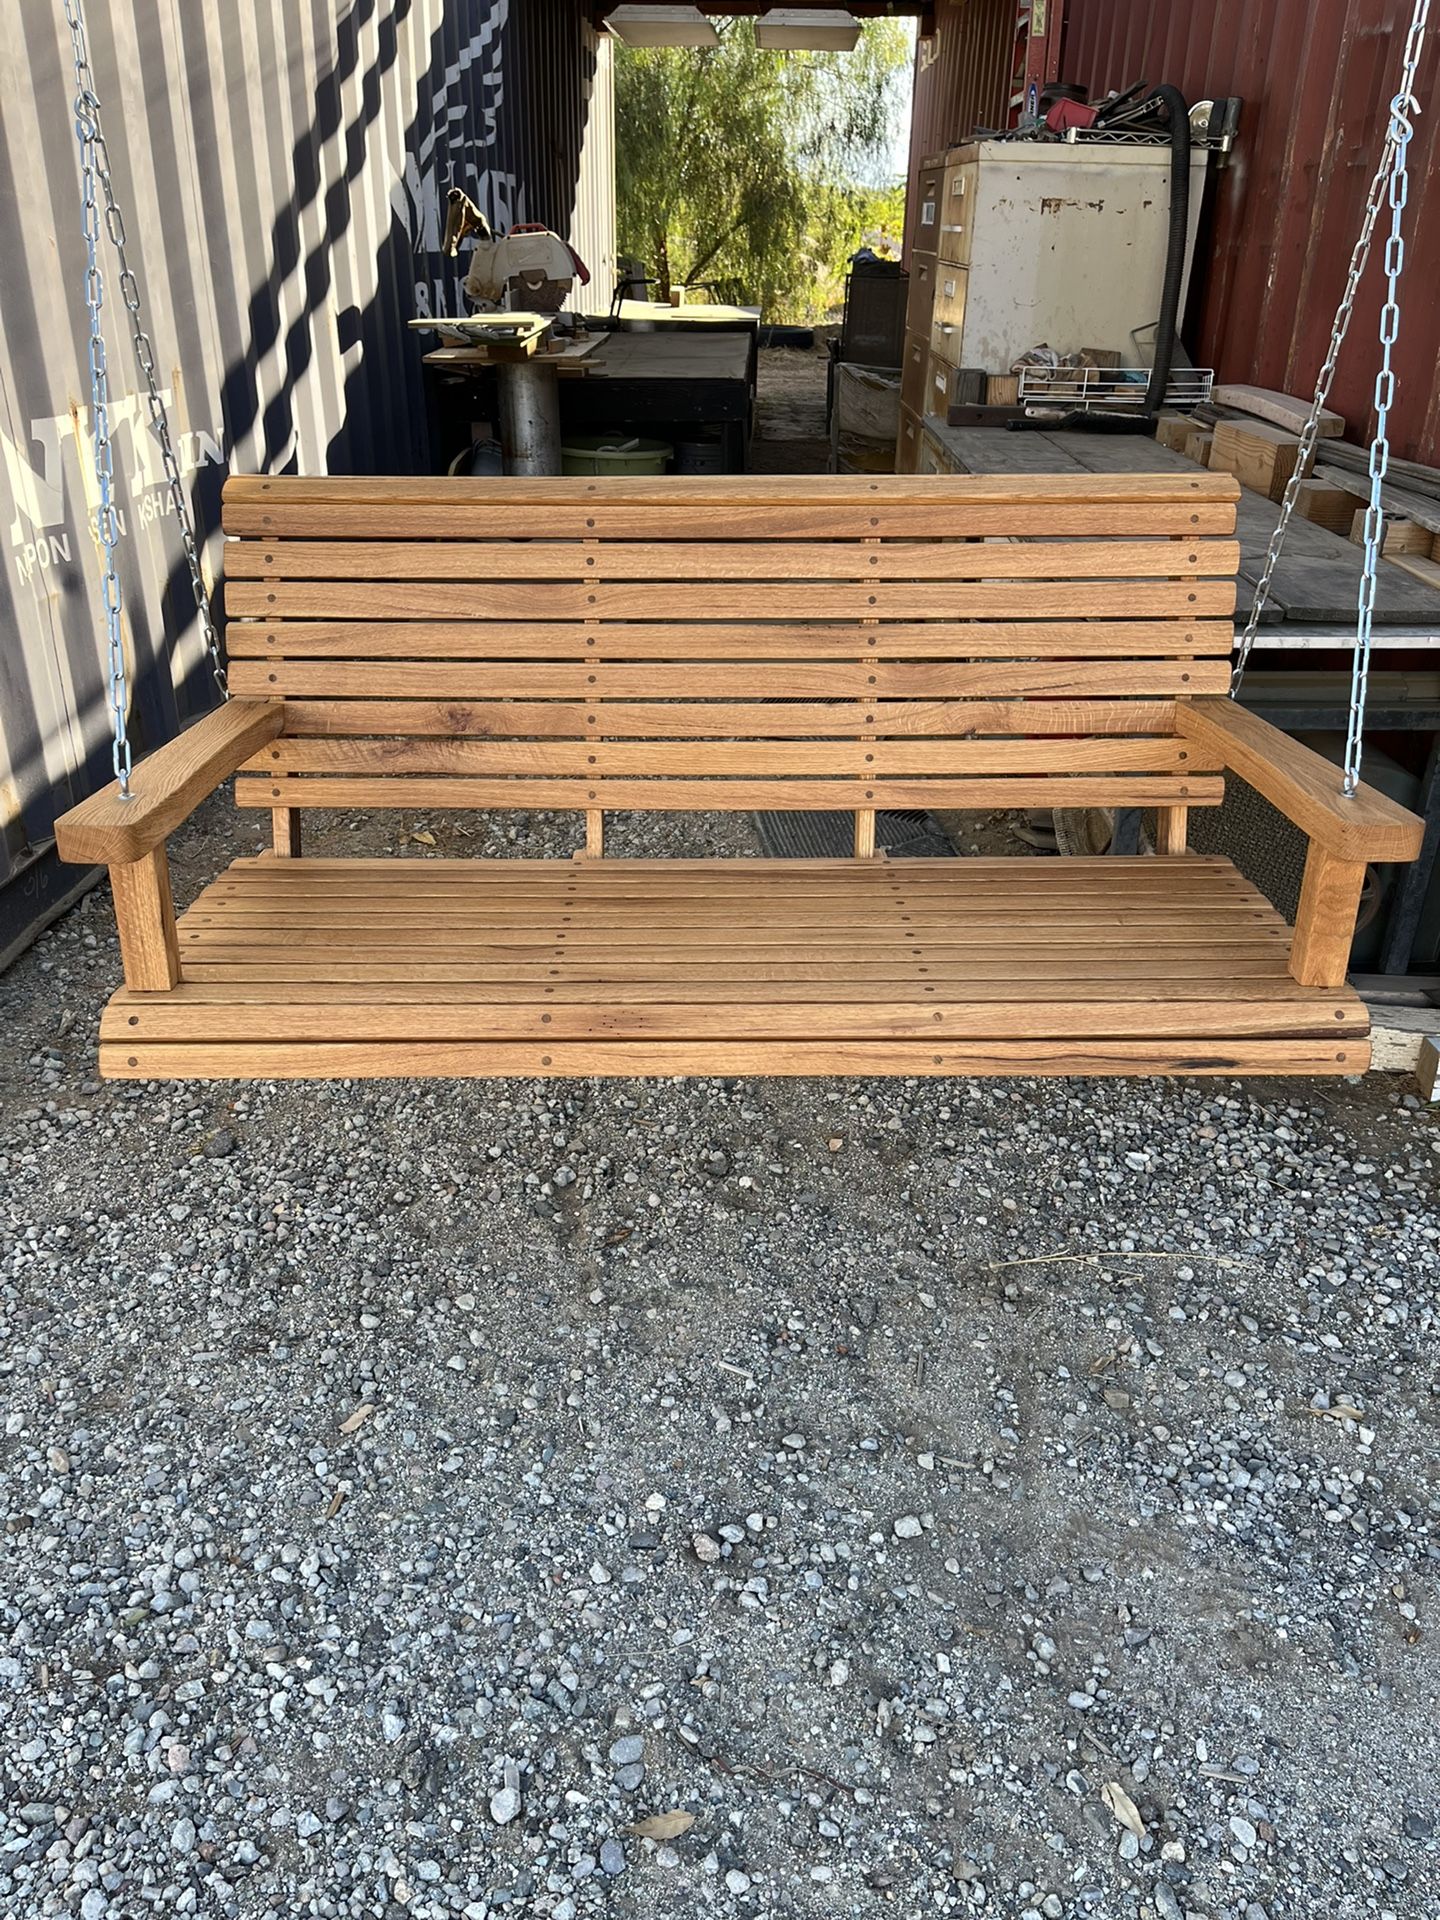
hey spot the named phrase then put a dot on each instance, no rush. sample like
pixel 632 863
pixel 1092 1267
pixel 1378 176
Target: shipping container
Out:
pixel 962 76
pixel 283 171
pixel 1284 211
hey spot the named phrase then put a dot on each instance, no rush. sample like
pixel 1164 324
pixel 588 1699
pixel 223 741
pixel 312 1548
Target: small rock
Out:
pixel 706 1548
pixel 907 1527
pixel 1242 1830
pixel 736 1881
pixel 629 1748
pixel 612 1858
pixel 504 1805
pixel 220 1145
pixel 37 1813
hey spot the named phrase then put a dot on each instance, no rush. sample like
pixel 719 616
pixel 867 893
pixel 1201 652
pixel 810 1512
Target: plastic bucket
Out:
pixel 614 453
pixel 703 455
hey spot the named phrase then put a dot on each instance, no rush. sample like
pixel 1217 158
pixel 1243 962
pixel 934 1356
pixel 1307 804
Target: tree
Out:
pixel 734 163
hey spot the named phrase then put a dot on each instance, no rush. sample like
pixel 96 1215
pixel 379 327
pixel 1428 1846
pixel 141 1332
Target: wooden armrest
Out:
pixel 167 786
pixel 1306 787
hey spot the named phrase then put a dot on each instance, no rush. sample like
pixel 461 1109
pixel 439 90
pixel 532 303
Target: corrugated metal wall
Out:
pixel 283 168
pixel 962 74
pixel 1316 82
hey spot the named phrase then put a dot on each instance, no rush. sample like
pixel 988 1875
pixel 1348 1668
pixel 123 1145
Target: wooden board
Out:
pixel 1259 455
pixel 1282 409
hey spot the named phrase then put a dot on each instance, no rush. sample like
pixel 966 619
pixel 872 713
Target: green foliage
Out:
pixel 746 169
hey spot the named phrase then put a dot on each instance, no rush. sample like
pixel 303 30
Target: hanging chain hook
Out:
pixel 96 171
pixel 1397 137
pixel 1403 108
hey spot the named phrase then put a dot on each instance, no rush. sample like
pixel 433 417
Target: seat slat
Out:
pixel 726 560
pixel 173 1017
pixel 730 601
pixel 631 1059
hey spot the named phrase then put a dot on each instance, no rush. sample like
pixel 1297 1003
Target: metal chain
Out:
pixel 106 528
pixel 1402 108
pixel 97 168
pixel 1359 257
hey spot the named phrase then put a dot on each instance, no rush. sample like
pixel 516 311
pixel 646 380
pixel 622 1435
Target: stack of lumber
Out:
pixel 1259 454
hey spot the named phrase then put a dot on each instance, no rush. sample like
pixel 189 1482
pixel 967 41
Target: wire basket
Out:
pixel 1112 388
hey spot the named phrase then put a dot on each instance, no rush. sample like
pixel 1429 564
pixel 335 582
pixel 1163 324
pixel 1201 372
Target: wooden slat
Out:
pixel 658 934
pixel 683 976
pixel 736 521
pixel 707 758
pixel 929 680
pixel 666 720
pixel 717 796
pixel 265 992
pixel 731 601
pixel 732 560
pixel 747 490
pixel 175 1018
pixel 645 640
pixel 361 1060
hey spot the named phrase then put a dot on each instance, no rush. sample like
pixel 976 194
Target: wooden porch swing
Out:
pixel 706 645
pixel 732 643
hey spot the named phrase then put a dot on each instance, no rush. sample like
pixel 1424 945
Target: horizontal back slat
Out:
pixel 729 559
pixel 778 640
pixel 731 680
pixel 700 600
pixel 753 720
pixel 716 796
pixel 726 757
pixel 772 641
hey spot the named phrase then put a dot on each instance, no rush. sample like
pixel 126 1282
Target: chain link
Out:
pixel 106 527
pixel 1309 433
pixel 95 167
pixel 1402 109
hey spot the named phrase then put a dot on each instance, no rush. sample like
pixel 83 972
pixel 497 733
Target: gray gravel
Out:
pixel 935 1498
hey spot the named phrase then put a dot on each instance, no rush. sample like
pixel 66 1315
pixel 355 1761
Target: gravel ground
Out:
pixel 737 1498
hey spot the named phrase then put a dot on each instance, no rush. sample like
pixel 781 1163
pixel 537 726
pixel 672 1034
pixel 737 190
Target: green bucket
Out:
pixel 613 453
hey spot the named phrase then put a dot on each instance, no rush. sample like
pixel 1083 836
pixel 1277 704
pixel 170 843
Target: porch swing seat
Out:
pixel 739 643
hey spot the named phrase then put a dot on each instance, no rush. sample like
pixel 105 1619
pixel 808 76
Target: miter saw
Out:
pixel 529 267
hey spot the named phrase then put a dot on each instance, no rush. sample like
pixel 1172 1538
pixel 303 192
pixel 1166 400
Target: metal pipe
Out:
pixel 529 416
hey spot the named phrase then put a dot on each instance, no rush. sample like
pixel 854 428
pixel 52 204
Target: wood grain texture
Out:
pixel 720 640
pixel 1307 788
pixel 166 787
pixel 512 600
pixel 649 1058
pixel 734 680
pixel 722 796
pixel 276 492
pixel 145 917
pixel 668 720
pixel 1325 918
pixel 725 559
pixel 737 520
